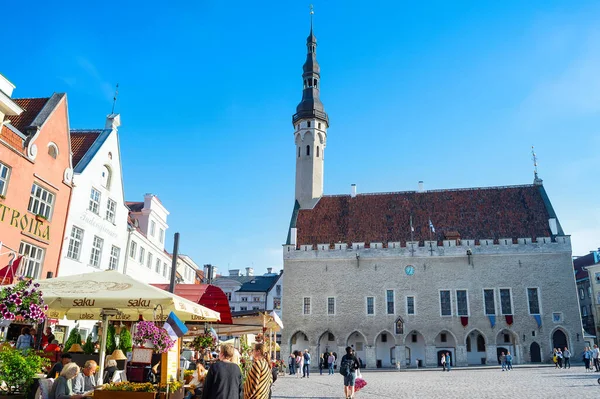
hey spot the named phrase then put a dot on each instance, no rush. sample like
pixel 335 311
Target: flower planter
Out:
pixel 17 396
pixel 100 394
pixel 175 395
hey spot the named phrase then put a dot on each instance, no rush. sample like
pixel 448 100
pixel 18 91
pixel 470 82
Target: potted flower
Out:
pixel 41 218
pixel 149 335
pixel 175 390
pixel 18 371
pixel 24 300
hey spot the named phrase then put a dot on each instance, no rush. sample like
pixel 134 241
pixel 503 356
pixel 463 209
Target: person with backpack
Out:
pixel 348 366
pixel 306 368
pixel 25 340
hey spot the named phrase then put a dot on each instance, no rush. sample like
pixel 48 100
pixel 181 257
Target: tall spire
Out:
pixel 536 179
pixel 311 106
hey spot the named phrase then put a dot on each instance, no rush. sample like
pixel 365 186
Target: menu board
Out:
pixel 171 360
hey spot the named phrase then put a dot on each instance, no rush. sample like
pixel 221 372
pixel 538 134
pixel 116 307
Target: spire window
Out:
pixel 308 124
pixel 317 151
pixel 298 152
pixel 315 83
pixel 307 150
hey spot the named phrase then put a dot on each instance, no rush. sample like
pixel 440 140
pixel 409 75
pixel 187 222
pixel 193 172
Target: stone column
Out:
pixel 371 357
pixel 518 356
pixel 430 356
pixel 461 355
pixel 491 355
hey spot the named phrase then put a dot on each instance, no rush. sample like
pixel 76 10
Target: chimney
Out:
pixel 113 121
pixel 293 236
pixel 353 190
pixel 249 271
pixel 421 188
pixel 269 270
pixel 234 272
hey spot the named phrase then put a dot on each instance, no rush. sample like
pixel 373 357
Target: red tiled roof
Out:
pixel 32 107
pixel 81 141
pixel 12 139
pixel 581 262
pixel 496 212
pixel 207 295
pixel 135 206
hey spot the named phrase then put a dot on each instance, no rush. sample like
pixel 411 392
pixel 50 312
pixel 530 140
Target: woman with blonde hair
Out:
pixel 61 389
pixel 259 378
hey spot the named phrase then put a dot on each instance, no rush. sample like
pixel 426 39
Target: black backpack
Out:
pixel 346 365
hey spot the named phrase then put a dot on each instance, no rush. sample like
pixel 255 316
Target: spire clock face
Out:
pixel 409 270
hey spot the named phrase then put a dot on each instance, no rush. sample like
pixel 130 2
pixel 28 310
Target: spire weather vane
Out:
pixel 312 12
pixel 535 163
pixel 115 98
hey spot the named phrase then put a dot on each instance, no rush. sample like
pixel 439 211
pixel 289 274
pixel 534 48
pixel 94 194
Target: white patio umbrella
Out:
pixel 112 295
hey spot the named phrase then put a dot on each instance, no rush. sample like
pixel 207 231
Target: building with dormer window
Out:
pixel 35 179
pixel 96 230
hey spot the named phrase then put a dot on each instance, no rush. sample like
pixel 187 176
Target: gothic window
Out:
pixel 317 151
pixel 468 344
pixel 400 326
pixel 307 150
pixel 480 343
pixel 315 83
pixel 319 125
pixel 308 124
pixel 298 152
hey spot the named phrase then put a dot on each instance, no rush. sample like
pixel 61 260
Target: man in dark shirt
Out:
pixel 65 358
pixel 349 380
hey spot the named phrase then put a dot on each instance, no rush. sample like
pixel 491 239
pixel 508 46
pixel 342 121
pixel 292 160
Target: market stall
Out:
pixel 110 295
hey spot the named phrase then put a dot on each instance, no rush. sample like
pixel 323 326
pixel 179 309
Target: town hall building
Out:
pixel 406 276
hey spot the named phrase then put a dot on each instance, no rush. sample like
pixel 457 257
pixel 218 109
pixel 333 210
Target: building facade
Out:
pixel 147 259
pixel 35 179
pixel 96 231
pixel 584 290
pixel 593 270
pixel 404 277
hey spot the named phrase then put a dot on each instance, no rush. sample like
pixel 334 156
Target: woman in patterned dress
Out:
pixel 259 378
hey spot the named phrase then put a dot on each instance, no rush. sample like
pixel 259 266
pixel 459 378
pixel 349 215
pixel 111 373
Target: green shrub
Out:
pixel 125 342
pixel 74 338
pixel 88 348
pixel 111 339
pixel 18 369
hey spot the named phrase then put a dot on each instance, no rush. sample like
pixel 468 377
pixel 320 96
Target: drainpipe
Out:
pixel 129 232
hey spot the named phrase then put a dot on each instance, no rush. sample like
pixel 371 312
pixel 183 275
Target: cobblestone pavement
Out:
pixel 538 383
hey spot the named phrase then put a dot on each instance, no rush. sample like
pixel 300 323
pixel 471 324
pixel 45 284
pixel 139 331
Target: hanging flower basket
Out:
pixel 203 341
pixel 147 333
pixel 24 300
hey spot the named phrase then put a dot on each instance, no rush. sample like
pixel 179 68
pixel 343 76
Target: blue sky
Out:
pixel 452 93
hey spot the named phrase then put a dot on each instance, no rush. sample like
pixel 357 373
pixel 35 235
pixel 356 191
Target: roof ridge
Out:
pixel 87 130
pixel 434 191
pixel 29 98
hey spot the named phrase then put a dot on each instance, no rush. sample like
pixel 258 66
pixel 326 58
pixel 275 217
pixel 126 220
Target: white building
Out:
pixel 187 270
pixel 146 258
pixel 249 292
pixel 96 228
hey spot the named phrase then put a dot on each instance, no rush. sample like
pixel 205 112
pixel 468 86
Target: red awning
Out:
pixel 206 295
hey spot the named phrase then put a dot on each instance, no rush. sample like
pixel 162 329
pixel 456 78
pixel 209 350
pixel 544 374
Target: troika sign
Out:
pixel 26 222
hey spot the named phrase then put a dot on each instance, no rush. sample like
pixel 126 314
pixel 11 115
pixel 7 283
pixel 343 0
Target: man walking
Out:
pixel 306 369
pixel 559 357
pixel 508 361
pixel 567 357
pixel 596 357
pixel 503 361
pixel 448 361
pixel 348 366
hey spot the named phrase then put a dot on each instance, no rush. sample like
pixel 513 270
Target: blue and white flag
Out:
pixel 175 327
pixel 431 226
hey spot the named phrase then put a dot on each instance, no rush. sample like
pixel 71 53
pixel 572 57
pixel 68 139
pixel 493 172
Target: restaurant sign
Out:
pixel 26 222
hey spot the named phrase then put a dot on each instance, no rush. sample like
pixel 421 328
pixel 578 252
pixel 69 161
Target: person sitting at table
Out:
pixel 111 368
pixel 65 359
pixel 61 388
pixel 197 381
pixel 86 380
